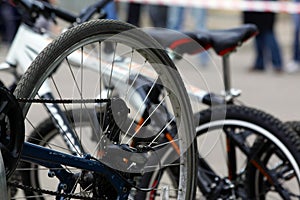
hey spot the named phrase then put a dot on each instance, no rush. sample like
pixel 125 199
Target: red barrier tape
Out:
pixel 242 5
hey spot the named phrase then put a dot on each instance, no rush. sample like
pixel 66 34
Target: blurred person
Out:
pixel 111 10
pixel 294 64
pixel 157 14
pixel 133 13
pixel 10 19
pixel 175 18
pixel 266 45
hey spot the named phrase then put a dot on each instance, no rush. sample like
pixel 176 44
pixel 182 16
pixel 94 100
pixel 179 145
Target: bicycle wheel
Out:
pixel 133 55
pixel 238 146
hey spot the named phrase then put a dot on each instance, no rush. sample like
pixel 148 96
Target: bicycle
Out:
pixel 16 58
pixel 118 178
pixel 270 159
pixel 208 97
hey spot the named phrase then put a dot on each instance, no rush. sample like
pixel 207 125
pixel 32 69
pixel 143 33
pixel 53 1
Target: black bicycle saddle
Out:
pixel 222 41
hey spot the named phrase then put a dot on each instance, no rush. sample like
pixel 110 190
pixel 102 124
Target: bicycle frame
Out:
pixel 54 160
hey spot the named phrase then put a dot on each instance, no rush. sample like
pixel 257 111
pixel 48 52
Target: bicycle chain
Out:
pixel 48 192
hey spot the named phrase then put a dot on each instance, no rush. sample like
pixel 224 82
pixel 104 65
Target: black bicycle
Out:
pixel 244 153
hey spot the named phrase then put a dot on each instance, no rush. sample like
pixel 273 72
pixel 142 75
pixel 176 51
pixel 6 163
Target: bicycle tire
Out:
pixel 96 32
pixel 295 125
pixel 265 128
pixel 239 119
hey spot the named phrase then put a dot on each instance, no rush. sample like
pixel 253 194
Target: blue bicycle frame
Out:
pixel 54 160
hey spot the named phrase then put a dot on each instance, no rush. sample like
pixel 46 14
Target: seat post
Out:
pixel 226 74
